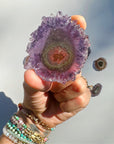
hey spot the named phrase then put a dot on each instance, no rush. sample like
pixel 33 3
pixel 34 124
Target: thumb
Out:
pixel 35 82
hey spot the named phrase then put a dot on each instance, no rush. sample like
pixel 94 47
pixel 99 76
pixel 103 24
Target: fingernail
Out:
pixel 46 86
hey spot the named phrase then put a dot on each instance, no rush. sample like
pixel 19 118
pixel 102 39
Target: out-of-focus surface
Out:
pixel 18 18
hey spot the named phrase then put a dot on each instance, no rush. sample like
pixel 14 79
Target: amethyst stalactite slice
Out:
pixel 58 49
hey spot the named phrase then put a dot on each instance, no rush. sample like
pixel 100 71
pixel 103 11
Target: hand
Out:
pixel 54 103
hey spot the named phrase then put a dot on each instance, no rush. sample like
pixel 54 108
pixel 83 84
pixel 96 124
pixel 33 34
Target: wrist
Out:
pixel 20 129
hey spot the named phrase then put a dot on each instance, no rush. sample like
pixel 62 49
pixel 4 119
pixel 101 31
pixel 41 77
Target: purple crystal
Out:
pixel 58 49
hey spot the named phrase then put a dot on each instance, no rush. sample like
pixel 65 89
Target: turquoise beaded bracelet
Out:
pixel 15 138
pixel 12 127
pixel 19 133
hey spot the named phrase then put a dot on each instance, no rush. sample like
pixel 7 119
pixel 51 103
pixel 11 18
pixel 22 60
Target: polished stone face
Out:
pixel 58 53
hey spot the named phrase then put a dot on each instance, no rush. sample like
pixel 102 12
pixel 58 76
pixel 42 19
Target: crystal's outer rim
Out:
pixel 37 42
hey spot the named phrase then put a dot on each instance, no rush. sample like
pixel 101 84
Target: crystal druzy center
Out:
pixel 58 53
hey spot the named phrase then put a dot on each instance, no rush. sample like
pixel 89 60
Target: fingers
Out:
pixel 57 87
pixel 36 82
pixel 77 88
pixel 75 96
pixel 80 20
pixel 76 103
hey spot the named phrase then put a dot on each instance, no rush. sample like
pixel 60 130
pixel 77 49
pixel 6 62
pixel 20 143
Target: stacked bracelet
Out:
pixel 19 133
pixel 15 138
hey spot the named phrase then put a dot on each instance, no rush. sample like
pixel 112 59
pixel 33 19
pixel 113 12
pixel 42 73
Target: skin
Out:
pixel 80 21
pixel 54 103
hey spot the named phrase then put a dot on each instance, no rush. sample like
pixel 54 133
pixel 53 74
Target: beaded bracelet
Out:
pixel 27 134
pixel 17 128
pixel 33 118
pixel 15 138
pixel 18 132
pixel 35 136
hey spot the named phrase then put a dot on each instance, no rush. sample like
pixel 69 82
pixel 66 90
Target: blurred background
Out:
pixel 18 18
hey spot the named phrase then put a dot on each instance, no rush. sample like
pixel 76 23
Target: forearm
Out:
pixel 5 140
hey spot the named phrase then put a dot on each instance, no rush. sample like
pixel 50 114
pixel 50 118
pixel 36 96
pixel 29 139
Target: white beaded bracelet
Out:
pixel 15 138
